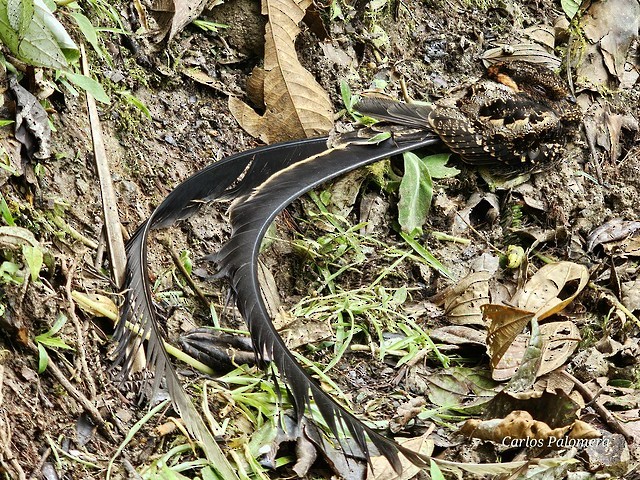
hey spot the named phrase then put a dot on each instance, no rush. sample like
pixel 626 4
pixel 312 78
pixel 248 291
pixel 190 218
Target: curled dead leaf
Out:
pixel 520 425
pixel 551 289
pixel 464 301
pixel 173 15
pixel 560 340
pixel 296 106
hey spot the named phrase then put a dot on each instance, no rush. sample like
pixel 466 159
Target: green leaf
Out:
pixel 34 35
pixel 52 342
pixel 436 164
pixel 43 358
pixel 20 14
pixel 185 259
pixel 58 324
pixel 379 137
pixel 63 40
pixel 87 84
pixel 135 101
pixel 33 256
pixel 4 123
pixel 570 7
pixel 347 98
pixel 435 472
pixel 5 212
pixel 416 190
pixel 427 256
pixel 88 30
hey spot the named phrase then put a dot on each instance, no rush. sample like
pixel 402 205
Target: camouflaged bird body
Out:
pixel 516 119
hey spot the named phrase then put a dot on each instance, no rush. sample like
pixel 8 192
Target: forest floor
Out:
pixel 342 279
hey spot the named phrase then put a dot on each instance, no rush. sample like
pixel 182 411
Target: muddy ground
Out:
pixel 433 46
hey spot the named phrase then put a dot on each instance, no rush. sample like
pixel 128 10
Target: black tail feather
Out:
pixel 138 317
pixel 238 259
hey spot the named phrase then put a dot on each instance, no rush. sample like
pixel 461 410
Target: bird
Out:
pixel 515 119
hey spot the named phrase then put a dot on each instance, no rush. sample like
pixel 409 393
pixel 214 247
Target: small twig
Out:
pixel 405 92
pixel 171 350
pixel 604 413
pixel 36 472
pixel 77 394
pixel 68 271
pixel 178 263
pixel 112 224
pixel 73 233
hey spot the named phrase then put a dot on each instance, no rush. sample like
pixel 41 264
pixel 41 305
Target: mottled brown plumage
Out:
pixel 516 119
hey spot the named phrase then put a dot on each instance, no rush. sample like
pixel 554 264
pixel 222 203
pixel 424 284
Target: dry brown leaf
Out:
pixel 560 341
pixel 551 289
pixel 382 470
pixel 296 106
pixel 203 79
pixel 504 323
pixel 529 52
pixel 173 15
pixel 610 28
pixel 464 301
pixel 520 425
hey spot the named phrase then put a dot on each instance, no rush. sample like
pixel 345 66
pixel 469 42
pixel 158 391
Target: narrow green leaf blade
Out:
pixel 43 358
pixel 88 85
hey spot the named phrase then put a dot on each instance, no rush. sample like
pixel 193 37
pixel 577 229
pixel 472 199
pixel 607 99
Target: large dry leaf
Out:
pixel 173 15
pixel 608 58
pixel 551 289
pixel 504 323
pixel 463 302
pixel 296 106
pixel 520 425
pixel 560 340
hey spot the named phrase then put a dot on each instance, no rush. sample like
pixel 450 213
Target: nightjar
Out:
pixel 515 119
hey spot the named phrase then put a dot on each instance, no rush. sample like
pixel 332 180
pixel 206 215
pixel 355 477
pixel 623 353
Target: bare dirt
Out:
pixel 433 46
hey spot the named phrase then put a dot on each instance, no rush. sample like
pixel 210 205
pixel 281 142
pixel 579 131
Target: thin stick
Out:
pixel 109 203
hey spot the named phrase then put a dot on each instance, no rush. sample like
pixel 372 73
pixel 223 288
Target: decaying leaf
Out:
pixel 603 128
pixel 296 106
pixel 480 209
pixel 459 389
pixel 611 231
pixel 17 237
pixel 504 325
pixel 383 471
pixel 608 60
pixel 406 412
pixel 203 79
pixel 551 289
pixel 529 52
pixel 464 301
pixel 560 340
pixel 173 15
pixel 32 123
pixel 458 335
pixel 556 409
pixel 520 425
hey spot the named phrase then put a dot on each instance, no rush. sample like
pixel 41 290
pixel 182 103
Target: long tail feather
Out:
pixel 238 258
pixel 138 318
pixel 400 113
